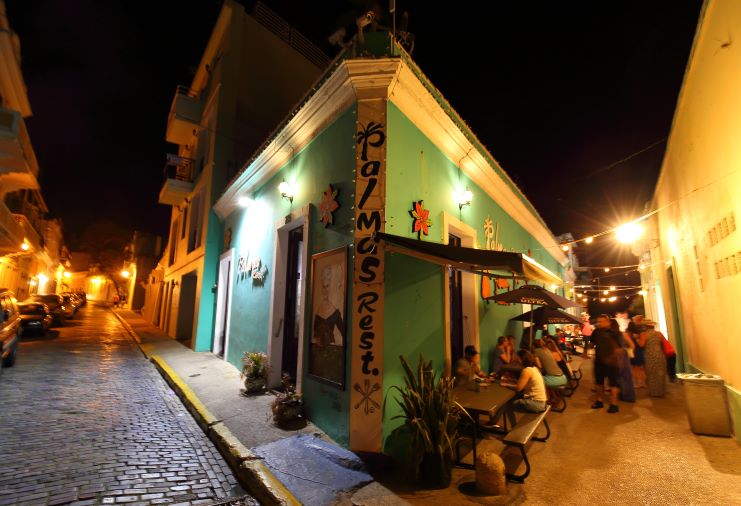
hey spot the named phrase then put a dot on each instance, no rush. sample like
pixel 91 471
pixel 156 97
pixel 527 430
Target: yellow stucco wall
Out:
pixel 699 187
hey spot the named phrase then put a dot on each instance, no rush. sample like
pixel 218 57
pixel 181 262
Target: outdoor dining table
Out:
pixel 484 399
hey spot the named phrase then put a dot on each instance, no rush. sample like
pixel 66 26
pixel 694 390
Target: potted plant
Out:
pixel 430 423
pixel 288 405
pixel 254 371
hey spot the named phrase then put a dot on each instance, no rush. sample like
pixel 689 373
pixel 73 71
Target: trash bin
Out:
pixel 707 404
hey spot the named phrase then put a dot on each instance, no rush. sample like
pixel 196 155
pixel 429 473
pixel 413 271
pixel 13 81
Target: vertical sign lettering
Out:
pixel 366 392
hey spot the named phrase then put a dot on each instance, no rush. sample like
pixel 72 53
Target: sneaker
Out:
pixel 597 405
pixel 613 408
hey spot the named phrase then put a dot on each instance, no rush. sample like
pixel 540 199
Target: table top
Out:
pixel 489 398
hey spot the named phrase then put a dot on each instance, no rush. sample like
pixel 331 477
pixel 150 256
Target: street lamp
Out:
pixel 125 274
pixel 629 232
pixel 67 274
pixel 463 198
pixel 286 191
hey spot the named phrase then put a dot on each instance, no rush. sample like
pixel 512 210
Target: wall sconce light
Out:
pixel 565 247
pixel 244 201
pixel 42 278
pixel 286 191
pixel 67 274
pixel 25 246
pixel 463 198
pixel 125 274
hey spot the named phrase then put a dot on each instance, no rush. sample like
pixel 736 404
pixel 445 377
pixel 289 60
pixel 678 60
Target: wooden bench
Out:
pixel 521 435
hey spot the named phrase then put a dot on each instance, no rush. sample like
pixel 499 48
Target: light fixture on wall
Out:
pixel 286 191
pixel 463 198
pixel 67 274
pixel 25 246
pixel 244 201
pixel 125 274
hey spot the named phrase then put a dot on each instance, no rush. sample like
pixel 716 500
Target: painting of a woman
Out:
pixel 329 280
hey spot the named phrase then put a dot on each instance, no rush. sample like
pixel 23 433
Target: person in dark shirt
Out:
pixel 607 343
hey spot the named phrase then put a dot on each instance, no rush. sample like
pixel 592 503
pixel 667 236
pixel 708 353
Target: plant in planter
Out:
pixel 430 423
pixel 254 371
pixel 288 405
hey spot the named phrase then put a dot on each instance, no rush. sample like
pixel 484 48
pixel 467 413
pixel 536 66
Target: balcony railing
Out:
pixel 178 183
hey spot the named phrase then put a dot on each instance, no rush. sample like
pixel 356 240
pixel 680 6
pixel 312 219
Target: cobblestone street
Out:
pixel 86 419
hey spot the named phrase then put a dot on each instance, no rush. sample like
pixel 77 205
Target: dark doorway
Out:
pixel 292 319
pixel 455 286
pixel 184 331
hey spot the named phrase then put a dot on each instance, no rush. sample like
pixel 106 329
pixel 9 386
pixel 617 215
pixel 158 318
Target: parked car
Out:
pixel 35 317
pixel 10 323
pixel 83 298
pixel 69 307
pixel 55 303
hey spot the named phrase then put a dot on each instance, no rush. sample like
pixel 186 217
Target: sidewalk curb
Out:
pixel 249 469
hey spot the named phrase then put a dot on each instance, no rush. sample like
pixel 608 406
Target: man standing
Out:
pixel 607 342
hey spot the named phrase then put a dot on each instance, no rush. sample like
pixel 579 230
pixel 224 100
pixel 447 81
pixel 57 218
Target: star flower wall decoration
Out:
pixel 328 206
pixel 421 221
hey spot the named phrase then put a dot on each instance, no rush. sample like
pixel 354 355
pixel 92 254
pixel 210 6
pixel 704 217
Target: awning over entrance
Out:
pixel 469 259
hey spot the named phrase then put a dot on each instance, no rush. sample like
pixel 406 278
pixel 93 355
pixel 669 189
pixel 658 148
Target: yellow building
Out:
pixel 691 258
pixel 30 245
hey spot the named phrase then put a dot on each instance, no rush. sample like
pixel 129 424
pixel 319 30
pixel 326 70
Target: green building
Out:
pixel 304 277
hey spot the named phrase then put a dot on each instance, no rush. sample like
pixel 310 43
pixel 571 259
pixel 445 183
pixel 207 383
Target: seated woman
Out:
pixel 531 385
pixel 559 358
pixel 553 375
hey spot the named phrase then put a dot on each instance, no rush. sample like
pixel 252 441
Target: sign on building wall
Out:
pixel 366 380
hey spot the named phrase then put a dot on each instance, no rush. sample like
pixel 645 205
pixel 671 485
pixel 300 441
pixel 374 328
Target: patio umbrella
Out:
pixel 545 315
pixel 534 295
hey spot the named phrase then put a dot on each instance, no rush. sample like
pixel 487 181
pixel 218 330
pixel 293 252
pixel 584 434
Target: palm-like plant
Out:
pixel 430 417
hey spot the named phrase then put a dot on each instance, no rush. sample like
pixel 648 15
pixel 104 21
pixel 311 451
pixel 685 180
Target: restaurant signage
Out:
pixel 366 392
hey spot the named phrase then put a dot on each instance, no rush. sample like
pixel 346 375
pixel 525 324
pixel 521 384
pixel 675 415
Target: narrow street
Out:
pixel 85 417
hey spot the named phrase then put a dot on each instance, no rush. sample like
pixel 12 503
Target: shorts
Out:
pixel 603 371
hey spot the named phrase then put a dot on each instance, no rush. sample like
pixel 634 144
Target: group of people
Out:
pixel 628 356
pixel 529 373
pixel 634 356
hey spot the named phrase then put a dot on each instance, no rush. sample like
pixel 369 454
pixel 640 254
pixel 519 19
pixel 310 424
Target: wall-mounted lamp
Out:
pixel 286 191
pixel 25 246
pixel 125 274
pixel 244 201
pixel 67 274
pixel 463 198
pixel 565 247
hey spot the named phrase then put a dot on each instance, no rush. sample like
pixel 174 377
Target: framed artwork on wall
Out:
pixel 328 316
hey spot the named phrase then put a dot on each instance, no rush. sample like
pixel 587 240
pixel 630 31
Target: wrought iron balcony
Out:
pixel 178 180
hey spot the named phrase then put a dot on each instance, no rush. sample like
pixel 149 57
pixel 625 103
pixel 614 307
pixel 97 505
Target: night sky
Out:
pixel 557 91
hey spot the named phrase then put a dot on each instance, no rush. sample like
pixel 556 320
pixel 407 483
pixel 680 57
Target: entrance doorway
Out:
pixel 292 308
pixel 674 307
pixel 187 306
pixel 455 288
pixel 223 305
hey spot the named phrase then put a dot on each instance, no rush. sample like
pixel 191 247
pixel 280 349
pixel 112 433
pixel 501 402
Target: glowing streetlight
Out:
pixel 244 201
pixel 629 232
pixel 606 292
pixel 643 293
pixel 602 299
pixel 612 299
pixel 125 274
pixel 607 269
pixel 25 246
pixel 565 247
pixel 42 278
pixel 286 191
pixel 612 288
pixel 589 240
pixel 67 274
